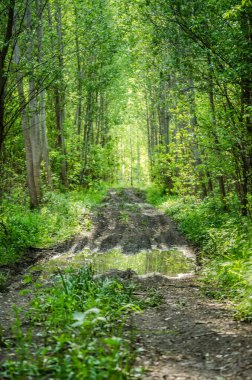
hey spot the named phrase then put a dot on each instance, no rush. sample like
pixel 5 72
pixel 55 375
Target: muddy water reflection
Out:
pixel 170 263
pixel 173 262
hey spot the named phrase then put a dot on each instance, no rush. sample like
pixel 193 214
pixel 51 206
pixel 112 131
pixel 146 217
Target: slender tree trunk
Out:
pixel 246 78
pixel 220 177
pixel 34 196
pixel 148 130
pixel 138 160
pixel 163 113
pixel 44 140
pixel 79 78
pixel 60 98
pixel 3 74
pixel 88 126
pixel 33 107
pixel 209 182
pixel 246 104
pixel 104 120
pixel 195 148
pixel 149 140
pixel 59 111
pixel 101 135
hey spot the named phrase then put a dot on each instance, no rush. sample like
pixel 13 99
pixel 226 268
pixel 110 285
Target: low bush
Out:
pixel 76 331
pixel 155 195
pixel 225 242
pixel 59 217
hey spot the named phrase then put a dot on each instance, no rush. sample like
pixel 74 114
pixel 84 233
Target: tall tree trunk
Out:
pixel 246 104
pixel 79 77
pixel 60 114
pixel 3 74
pixel 149 140
pixel 246 77
pixel 34 196
pixel 88 127
pixel 100 120
pixel 87 133
pixel 44 140
pixel 33 108
pixel 163 113
pixel 60 98
pixel 220 177
pixel 194 124
pixel 138 160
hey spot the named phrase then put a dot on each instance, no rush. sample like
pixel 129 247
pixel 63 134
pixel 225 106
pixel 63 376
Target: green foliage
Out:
pixel 225 242
pixel 58 218
pixel 3 279
pixel 217 232
pixel 162 171
pixel 21 231
pixel 193 69
pixel 154 298
pixel 155 195
pixel 101 165
pixel 77 331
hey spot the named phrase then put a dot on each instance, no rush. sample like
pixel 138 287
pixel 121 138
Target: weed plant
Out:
pixel 59 217
pixel 225 242
pixel 77 331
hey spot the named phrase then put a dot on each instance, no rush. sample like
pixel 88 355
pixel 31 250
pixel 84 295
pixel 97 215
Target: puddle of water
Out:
pixel 170 263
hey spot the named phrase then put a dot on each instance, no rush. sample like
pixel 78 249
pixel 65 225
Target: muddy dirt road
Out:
pixel 125 221
pixel 192 337
pixel 187 336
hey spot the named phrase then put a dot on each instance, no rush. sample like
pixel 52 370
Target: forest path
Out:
pixel 187 336
pixel 192 337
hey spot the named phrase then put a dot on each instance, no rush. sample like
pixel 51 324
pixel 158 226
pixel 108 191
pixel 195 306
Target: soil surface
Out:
pixel 188 336
pixel 192 337
pixel 123 220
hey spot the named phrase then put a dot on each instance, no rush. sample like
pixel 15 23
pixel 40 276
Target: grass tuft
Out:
pixel 225 242
pixel 76 331
pixel 59 217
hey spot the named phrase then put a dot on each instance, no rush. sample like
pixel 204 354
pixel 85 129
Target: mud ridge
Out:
pixel 125 221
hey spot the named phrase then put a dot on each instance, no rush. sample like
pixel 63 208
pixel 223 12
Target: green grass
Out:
pixel 76 331
pixel 60 216
pixel 155 195
pixel 225 243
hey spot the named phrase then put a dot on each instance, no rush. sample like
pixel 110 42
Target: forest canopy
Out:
pixel 105 90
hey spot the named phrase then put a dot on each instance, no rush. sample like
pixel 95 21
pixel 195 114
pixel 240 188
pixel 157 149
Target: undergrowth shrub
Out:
pixel 58 218
pixel 225 242
pixel 77 331
pixel 155 195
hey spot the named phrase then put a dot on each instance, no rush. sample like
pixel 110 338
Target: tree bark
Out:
pixel 60 98
pixel 79 77
pixel 3 76
pixel 44 140
pixel 33 108
pixel 246 104
pixel 34 196
pixel 220 177
pixel 195 148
